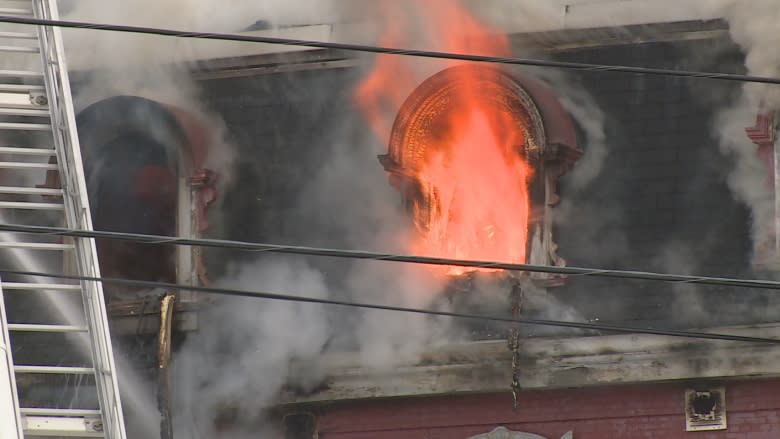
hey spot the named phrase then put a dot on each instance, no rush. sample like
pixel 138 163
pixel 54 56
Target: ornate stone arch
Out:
pixel 764 135
pixel 504 433
pixel 550 145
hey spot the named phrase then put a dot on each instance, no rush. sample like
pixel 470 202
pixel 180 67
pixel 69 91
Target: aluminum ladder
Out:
pixel 38 139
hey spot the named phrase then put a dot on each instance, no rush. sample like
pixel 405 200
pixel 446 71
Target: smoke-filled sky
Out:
pixel 240 357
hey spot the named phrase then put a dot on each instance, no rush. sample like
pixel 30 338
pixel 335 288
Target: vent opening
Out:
pixel 705 410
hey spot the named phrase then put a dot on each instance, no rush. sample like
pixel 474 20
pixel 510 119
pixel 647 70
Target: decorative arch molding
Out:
pixel 137 150
pixel 549 146
pixel 764 135
pixel 504 433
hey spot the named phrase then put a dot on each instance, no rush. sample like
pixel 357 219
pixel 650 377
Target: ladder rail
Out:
pixel 9 399
pixel 63 120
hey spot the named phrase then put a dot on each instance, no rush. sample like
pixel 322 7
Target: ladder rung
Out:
pixel 20 73
pixel 19 35
pixel 20 100
pixel 36 411
pixel 30 191
pixel 25 126
pixel 15 11
pixel 30 327
pixel 24 49
pixel 21 88
pixel 27 151
pixel 39 286
pixel 23 112
pixel 28 165
pixel 62 426
pixel 23 205
pixel 59 370
pixel 20 92
pixel 37 246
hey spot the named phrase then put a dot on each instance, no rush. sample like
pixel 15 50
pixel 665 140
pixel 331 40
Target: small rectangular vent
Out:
pixel 705 410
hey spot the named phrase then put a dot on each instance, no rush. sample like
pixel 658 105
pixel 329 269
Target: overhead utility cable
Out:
pixel 374 256
pixel 387 50
pixel 432 312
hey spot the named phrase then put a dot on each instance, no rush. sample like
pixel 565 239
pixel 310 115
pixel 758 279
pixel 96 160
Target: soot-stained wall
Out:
pixel 284 127
pixel 660 203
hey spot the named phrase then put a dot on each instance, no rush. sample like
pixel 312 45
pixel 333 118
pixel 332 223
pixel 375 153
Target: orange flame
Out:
pixel 474 169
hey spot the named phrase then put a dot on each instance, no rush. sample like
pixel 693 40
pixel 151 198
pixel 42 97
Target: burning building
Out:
pixel 510 164
pixel 452 159
pixel 593 169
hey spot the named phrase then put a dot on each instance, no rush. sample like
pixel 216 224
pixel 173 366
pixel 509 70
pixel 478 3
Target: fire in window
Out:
pixel 476 154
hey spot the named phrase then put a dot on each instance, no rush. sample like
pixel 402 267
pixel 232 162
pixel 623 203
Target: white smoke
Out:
pixel 526 15
pixel 231 15
pixel 116 49
pixel 688 300
pixel 387 340
pixel 239 360
pixel 754 26
pixel 590 118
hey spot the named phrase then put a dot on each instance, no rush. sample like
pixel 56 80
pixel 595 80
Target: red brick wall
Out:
pixel 641 411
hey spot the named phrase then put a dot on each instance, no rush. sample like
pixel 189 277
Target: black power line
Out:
pixel 388 50
pixel 375 256
pixel 432 312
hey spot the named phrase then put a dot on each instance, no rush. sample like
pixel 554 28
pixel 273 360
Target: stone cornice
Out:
pixel 549 363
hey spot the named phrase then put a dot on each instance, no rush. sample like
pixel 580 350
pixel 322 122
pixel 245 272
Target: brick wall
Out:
pixel 664 172
pixel 647 411
pixel 283 127
pixel 662 202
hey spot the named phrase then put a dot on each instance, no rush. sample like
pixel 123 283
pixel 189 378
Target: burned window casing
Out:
pixel 705 409
pixel 476 154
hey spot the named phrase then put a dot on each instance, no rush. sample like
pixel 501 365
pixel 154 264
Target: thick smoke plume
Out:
pixel 753 26
pixel 240 359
